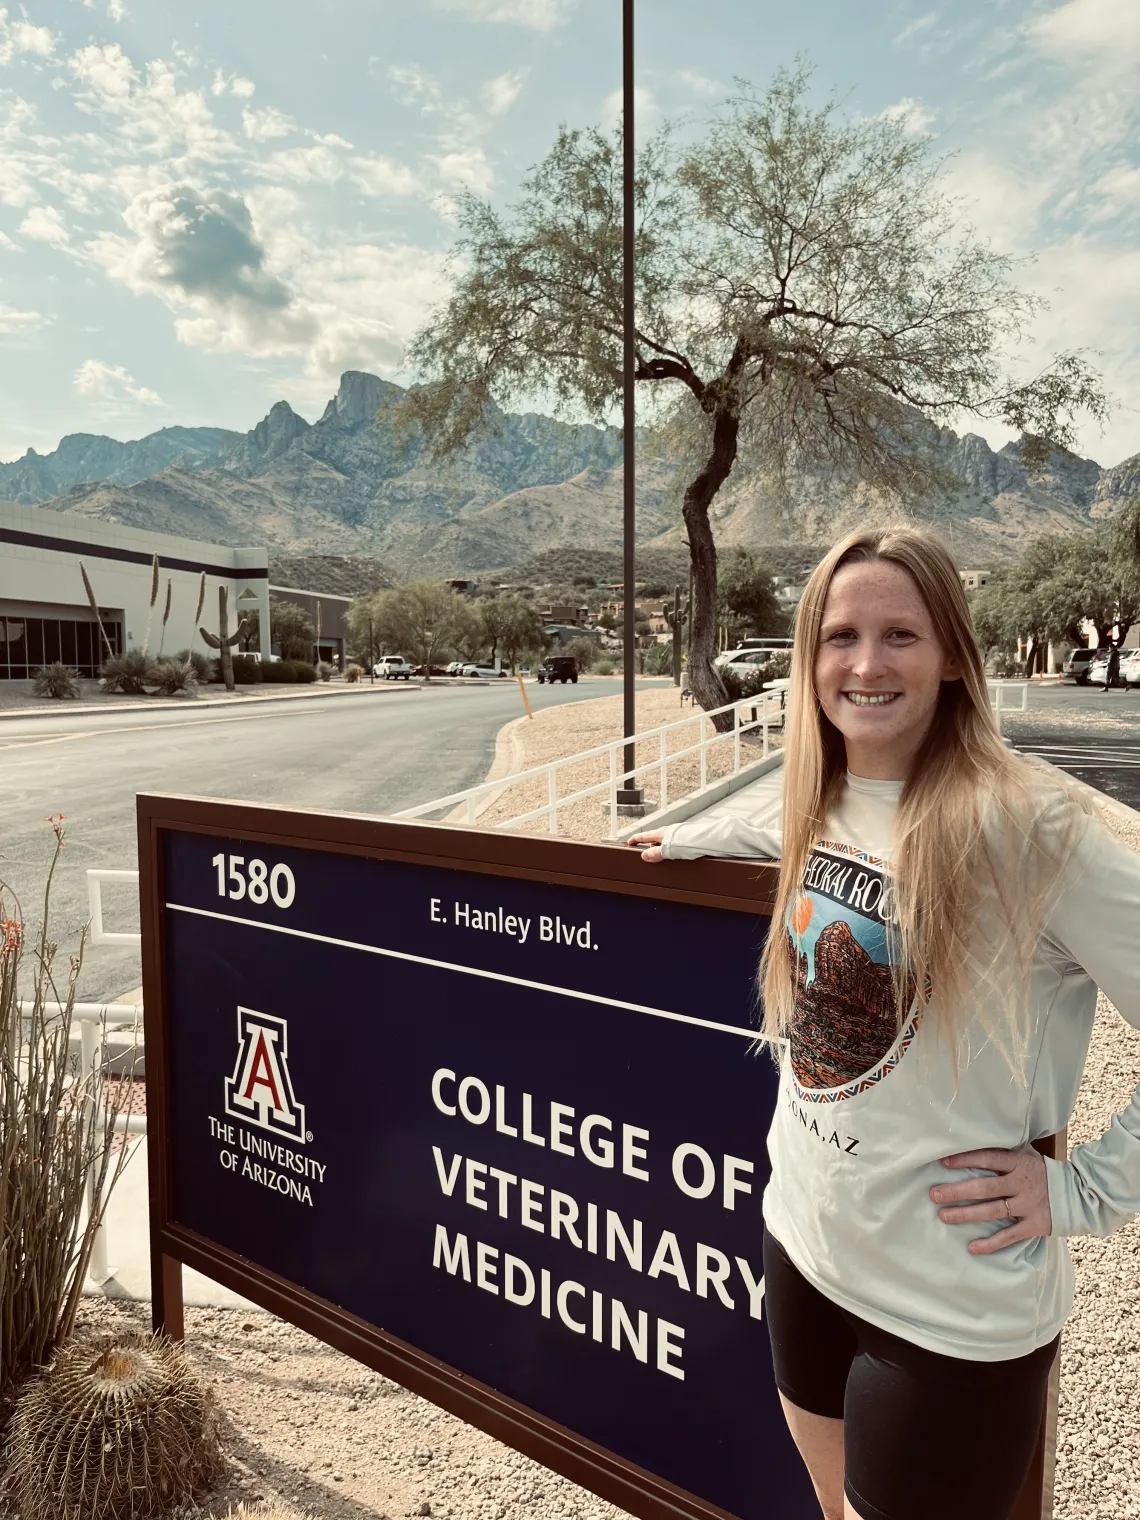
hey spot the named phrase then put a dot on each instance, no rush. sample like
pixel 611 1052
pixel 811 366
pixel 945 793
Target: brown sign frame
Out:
pixel 737 886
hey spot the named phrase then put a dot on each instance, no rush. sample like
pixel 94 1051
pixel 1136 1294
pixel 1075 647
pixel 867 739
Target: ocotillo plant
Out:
pixel 223 641
pixel 165 615
pixel 153 599
pixel 201 599
pixel 95 609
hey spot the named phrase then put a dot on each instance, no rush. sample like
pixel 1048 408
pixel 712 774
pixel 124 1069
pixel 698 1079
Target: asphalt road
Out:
pixel 1093 735
pixel 374 754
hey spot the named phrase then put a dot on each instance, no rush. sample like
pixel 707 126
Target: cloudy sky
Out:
pixel 207 207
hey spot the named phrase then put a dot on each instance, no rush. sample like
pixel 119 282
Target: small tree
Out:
pixel 293 629
pixel 419 620
pixel 585 651
pixel 744 585
pixel 806 295
pixel 512 625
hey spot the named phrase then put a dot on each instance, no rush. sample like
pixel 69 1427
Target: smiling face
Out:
pixel 879 667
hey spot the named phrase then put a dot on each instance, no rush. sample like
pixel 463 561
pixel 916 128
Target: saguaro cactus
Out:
pixel 223 641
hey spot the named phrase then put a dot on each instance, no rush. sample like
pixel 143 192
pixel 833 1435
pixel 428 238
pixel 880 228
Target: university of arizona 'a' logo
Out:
pixel 260 1091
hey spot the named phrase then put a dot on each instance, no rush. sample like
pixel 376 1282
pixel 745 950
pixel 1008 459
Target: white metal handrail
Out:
pixel 94 1019
pixel 99 935
pixel 765 706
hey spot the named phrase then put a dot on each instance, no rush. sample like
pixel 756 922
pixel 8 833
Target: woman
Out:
pixel 948 913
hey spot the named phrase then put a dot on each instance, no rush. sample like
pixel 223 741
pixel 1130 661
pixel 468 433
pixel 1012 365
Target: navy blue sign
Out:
pixel 520 1126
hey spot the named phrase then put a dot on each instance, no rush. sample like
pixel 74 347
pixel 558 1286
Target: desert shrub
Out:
pixel 353 674
pixel 659 660
pixel 326 671
pixel 1004 666
pixel 205 669
pixel 116 1430
pixel 604 668
pixel 742 684
pixel 585 651
pixel 288 672
pixel 173 677
pixel 57 1139
pixel 56 680
pixel 130 673
pixel 247 670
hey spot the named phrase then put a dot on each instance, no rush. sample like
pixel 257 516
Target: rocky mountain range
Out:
pixel 350 484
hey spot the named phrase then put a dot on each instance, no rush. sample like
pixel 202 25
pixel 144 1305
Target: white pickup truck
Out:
pixel 393 667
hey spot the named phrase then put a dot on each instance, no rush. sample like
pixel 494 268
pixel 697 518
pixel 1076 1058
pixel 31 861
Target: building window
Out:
pixel 28 643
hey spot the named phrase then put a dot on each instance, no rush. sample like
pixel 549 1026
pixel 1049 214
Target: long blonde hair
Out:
pixel 966 832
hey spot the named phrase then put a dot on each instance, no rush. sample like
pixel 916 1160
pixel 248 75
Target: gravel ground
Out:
pixel 1098 1437
pixel 560 731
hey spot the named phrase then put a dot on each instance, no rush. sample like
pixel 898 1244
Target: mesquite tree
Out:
pixel 807 297
pixel 223 641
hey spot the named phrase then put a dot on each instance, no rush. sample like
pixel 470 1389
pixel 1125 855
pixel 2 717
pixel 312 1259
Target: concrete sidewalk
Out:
pixel 128 1245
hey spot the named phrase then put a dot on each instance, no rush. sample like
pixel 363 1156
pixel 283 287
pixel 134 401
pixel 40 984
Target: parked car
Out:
pixel 744 661
pixel 1078 662
pixel 559 667
pixel 1129 668
pixel 393 667
pixel 484 672
pixel 435 670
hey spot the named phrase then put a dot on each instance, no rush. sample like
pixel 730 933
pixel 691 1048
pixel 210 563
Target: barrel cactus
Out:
pixel 117 1429
pixel 266 1512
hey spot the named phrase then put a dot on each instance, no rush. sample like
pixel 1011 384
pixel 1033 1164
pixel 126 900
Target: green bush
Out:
pixel 1004 667
pixel 326 671
pixel 604 668
pixel 353 674
pixel 56 680
pixel 288 673
pixel 174 677
pixel 247 670
pixel 205 669
pixel 130 673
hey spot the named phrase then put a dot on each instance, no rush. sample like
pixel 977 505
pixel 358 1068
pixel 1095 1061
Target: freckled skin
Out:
pixel 878 637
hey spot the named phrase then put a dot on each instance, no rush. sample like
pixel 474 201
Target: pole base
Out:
pixel 631 802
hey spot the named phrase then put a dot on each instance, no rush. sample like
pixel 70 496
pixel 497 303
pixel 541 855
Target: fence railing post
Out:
pixel 663 789
pixel 91 1051
pixel 613 792
pixel 736 741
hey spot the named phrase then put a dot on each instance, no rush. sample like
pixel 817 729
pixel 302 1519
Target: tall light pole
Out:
pixel 630 796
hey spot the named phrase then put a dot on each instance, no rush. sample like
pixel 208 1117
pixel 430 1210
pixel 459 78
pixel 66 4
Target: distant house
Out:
pixel 463 587
pixel 566 633
pixel 330 618
pixel 563 612
pixel 973 580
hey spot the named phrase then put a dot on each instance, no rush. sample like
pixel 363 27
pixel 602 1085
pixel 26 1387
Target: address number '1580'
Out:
pixel 238 878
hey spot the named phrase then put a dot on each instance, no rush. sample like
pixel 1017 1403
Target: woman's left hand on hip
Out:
pixel 1019 1194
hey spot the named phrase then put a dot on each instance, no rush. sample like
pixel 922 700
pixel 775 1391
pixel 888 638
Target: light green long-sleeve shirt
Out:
pixel 866 1113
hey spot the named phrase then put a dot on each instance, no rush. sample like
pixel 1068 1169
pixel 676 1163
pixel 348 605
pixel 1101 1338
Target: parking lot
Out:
pixel 1092 734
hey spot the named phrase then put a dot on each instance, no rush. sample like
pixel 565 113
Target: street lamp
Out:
pixel 427 655
pixel 630 797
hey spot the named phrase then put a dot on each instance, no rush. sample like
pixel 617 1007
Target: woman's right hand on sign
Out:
pixel 649 845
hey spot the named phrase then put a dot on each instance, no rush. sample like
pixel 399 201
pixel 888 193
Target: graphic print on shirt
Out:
pixel 844 1026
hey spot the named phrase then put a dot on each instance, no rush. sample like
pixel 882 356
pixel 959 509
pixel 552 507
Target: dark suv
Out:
pixel 560 667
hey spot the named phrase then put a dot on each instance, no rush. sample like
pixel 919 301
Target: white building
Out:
pixel 44 611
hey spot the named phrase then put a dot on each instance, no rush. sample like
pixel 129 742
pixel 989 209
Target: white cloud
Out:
pixel 313 165
pixel 45 224
pixel 23 37
pixel 911 115
pixel 1107 28
pixel 13 321
pixel 646 111
pixel 151 112
pixel 499 94
pixel 377 175
pixel 112 383
pixel 467 168
pixel 264 125
pixel 116 10
pixel 243 88
pixel 537 15
pixel 917 29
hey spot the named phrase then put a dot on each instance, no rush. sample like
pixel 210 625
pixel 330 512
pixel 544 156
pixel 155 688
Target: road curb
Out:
pixel 509 756
pixel 195 704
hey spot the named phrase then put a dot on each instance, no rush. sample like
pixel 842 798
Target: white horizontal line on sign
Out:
pixel 491 976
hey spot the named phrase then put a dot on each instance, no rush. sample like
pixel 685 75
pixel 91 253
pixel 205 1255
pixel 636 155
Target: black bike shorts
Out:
pixel 925 1436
